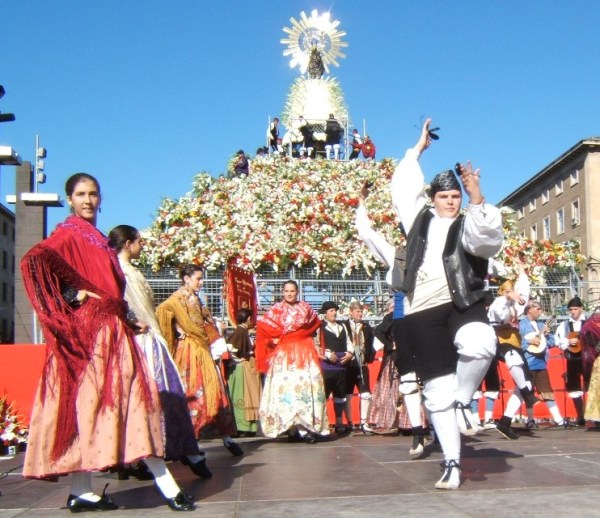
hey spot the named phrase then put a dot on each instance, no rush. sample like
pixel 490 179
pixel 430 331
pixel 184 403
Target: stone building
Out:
pixel 558 204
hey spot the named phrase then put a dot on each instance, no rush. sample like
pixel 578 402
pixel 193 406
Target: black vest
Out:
pixel 334 343
pixel 465 273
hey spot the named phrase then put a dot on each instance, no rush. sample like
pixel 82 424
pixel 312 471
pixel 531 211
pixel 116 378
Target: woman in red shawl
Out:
pixel 293 399
pixel 95 406
pixel 590 340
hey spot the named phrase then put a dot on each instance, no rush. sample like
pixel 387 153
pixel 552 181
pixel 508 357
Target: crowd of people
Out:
pixel 126 381
pixel 311 139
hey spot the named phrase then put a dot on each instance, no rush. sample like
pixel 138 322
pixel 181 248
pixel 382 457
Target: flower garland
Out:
pixel 301 212
pixel 286 211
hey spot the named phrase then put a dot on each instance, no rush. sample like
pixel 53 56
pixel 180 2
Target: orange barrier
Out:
pixel 21 366
pixel 556 369
pixel 20 370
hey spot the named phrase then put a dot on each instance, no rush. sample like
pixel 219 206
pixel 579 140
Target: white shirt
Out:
pixel 376 243
pixel 561 336
pixel 482 235
pixel 503 310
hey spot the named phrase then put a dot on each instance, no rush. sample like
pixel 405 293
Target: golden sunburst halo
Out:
pixel 316 30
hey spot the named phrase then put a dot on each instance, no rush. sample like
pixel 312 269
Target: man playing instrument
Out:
pixel 567 338
pixel 536 339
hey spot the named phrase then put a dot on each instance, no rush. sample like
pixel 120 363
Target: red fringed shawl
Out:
pixel 291 324
pixel 77 255
pixel 590 340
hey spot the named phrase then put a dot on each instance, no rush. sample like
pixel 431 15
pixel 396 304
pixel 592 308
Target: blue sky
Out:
pixel 145 94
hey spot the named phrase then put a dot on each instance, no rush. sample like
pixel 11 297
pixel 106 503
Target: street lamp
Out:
pixel 40 155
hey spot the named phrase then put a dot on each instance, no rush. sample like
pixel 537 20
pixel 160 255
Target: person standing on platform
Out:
pixel 180 441
pixel 446 264
pixel 336 352
pixel 96 405
pixel 567 338
pixel 194 341
pixel 244 382
pixel 536 339
pixel 293 399
pixel 356 143
pixel 362 337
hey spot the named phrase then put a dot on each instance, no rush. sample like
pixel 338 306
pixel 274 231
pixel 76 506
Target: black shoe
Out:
pixel 528 397
pixel 581 422
pixel 507 431
pixel 532 425
pixel 342 429
pixel 77 505
pixel 234 449
pixel 139 471
pixel 310 438
pixel 199 468
pixel 181 502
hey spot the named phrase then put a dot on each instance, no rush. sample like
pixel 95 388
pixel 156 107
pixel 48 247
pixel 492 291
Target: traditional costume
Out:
pixel 577 380
pixel 176 423
pixel 245 387
pixel 293 393
pixel 95 406
pixel 189 330
pixel 446 263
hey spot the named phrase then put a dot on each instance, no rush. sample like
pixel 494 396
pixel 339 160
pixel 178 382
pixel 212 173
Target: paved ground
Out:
pixel 550 472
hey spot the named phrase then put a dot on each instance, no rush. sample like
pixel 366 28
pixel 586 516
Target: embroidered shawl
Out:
pixel 290 323
pixel 77 256
pixel 184 310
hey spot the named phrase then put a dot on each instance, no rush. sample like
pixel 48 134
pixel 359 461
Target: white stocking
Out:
pixel 164 480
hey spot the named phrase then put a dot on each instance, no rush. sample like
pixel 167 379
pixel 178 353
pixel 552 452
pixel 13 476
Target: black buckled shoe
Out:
pixel 76 504
pixel 234 449
pixel 199 468
pixel 181 502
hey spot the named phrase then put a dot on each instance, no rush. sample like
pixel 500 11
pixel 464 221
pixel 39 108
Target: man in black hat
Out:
pixel 446 263
pixel 335 351
pixel 567 338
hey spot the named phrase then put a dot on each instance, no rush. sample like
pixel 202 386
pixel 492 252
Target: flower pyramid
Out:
pixel 301 212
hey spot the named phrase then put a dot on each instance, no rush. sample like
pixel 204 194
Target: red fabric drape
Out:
pixel 273 325
pixel 77 255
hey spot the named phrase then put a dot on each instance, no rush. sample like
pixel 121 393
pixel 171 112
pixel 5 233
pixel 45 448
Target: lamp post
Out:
pixel 38 172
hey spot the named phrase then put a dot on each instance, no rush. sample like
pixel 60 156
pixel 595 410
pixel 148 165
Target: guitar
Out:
pixel 537 350
pixel 576 348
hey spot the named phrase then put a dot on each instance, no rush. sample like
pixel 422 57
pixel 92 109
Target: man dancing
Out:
pixel 446 264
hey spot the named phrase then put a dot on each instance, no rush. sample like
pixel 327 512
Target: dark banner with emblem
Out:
pixel 240 289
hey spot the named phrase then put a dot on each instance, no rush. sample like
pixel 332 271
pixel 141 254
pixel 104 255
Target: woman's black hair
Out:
pixel 290 281
pixel 75 179
pixel 119 235
pixel 243 315
pixel 189 270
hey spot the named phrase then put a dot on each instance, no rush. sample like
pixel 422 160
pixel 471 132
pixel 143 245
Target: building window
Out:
pixel 560 221
pixel 532 204
pixel 574 177
pixel 575 216
pixel 5 228
pixel 4 260
pixel 521 212
pixel 533 233
pixel 4 292
pixel 559 188
pixel 545 195
pixel 547 227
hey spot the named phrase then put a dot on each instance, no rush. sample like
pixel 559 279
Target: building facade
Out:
pixel 7 274
pixel 557 204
